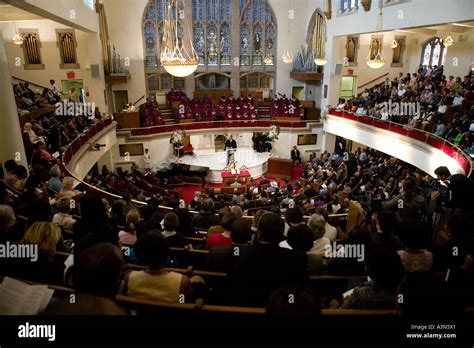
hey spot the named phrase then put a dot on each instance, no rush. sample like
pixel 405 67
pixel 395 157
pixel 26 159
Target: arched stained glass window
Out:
pixel 219 29
pixel 212 22
pixel 434 52
pixel 258 33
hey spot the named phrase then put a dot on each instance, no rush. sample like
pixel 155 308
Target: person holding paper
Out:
pixel 230 147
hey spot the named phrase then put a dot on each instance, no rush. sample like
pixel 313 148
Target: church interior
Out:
pixel 299 164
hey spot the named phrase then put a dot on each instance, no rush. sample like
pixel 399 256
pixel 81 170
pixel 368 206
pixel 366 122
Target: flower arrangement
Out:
pixel 177 138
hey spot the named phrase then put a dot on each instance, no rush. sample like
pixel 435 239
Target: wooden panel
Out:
pixel 306 76
pixel 279 168
pixel 128 120
pixel 132 149
pixel 307 139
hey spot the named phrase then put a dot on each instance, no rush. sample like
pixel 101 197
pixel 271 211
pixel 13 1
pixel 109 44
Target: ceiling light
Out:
pixel 174 57
pixel 448 41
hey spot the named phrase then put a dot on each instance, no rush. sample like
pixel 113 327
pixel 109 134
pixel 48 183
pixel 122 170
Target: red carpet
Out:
pixel 189 190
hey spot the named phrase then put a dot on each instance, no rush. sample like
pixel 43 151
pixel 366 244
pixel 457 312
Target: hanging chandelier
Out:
pixel 174 57
pixel 376 61
pixel 17 39
pixel 448 41
pixel 287 54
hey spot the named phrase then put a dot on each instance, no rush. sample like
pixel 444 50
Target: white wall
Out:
pixel 125 32
pixel 69 12
pixel 88 52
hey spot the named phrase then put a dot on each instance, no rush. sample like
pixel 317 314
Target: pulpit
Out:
pixel 280 168
pixel 128 119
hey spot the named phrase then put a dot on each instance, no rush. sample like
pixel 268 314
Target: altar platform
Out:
pixel 255 163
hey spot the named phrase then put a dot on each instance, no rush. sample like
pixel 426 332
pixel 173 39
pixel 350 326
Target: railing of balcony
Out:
pixel 430 139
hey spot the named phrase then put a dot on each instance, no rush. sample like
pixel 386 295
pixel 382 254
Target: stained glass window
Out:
pixel 212 31
pixel 434 52
pixel 258 33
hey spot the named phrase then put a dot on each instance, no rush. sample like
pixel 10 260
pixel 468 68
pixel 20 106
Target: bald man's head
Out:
pixel 99 270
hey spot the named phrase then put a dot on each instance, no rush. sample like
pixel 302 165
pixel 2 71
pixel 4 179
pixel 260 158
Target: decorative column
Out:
pixel 10 131
pixel 189 82
pixel 235 29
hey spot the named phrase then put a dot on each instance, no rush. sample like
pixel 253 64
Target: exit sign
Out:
pixel 71 74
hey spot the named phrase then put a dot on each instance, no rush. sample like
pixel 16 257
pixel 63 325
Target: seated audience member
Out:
pixel 68 189
pixel 385 225
pixel 185 218
pixel 94 225
pixel 293 217
pixel 170 224
pixel 63 219
pixel 41 267
pixel 221 258
pixel 414 257
pixel 195 203
pixel 351 266
pixel 385 271
pixel 264 266
pixel 222 239
pixel 7 221
pixel 320 243
pixel 305 305
pixel 129 235
pixel 331 231
pixel 237 211
pixel 10 176
pixel 301 238
pixel 147 223
pixel 54 182
pixel 117 213
pixel 97 276
pixel 34 138
pixel 218 228
pixel 155 282
pixel 206 217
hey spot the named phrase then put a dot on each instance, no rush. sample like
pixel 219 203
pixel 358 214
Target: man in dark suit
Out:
pixel 265 267
pixel 295 155
pixel 230 147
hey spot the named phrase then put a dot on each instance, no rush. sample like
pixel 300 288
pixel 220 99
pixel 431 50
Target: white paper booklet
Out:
pixel 19 298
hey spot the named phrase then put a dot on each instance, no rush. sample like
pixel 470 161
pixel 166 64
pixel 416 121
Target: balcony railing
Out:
pixel 214 125
pixel 452 150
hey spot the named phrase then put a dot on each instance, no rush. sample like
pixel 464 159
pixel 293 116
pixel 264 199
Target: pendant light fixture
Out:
pixel 287 54
pixel 174 57
pixel 377 61
pixel 17 39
